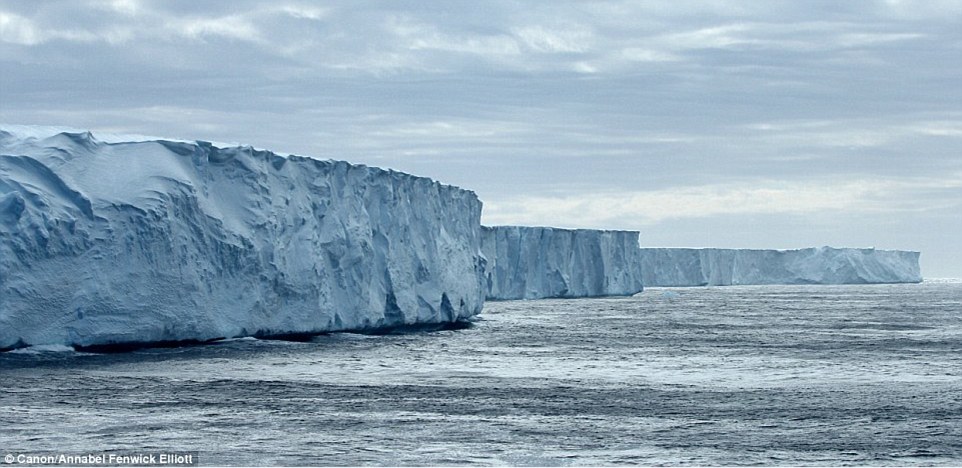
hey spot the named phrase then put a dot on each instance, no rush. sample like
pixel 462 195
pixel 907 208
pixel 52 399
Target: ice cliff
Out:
pixel 825 265
pixel 147 241
pixel 540 262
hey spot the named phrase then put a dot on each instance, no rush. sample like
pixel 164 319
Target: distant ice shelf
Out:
pixel 541 262
pixel 154 240
pixel 824 265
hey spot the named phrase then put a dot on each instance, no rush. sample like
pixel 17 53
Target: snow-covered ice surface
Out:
pixel 157 240
pixel 824 265
pixel 541 262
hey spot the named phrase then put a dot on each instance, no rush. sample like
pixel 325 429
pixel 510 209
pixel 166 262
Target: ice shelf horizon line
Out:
pixel 107 243
pixel 543 262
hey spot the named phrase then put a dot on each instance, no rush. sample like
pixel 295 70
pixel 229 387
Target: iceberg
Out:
pixel 823 265
pixel 542 262
pixel 147 241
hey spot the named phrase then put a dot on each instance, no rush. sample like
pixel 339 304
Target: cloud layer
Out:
pixel 768 124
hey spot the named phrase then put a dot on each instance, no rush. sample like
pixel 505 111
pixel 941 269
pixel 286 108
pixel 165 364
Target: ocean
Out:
pixel 772 375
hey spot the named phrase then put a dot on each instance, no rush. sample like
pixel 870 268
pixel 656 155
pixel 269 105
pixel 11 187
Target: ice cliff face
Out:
pixel 825 265
pixel 160 241
pixel 540 262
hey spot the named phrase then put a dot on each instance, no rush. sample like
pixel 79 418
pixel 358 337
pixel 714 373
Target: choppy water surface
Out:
pixel 800 375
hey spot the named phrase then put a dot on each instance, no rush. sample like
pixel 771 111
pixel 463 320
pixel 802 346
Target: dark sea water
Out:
pixel 775 375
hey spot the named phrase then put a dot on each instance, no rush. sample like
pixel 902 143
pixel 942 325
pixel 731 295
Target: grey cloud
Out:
pixel 536 105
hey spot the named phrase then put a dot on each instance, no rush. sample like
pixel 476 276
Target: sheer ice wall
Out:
pixel 540 262
pixel 158 241
pixel 824 265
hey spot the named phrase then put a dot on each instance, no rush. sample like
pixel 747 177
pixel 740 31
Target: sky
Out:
pixel 740 124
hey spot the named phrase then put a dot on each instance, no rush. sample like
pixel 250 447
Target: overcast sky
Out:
pixel 757 124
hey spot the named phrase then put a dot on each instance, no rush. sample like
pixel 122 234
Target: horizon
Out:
pixel 732 125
